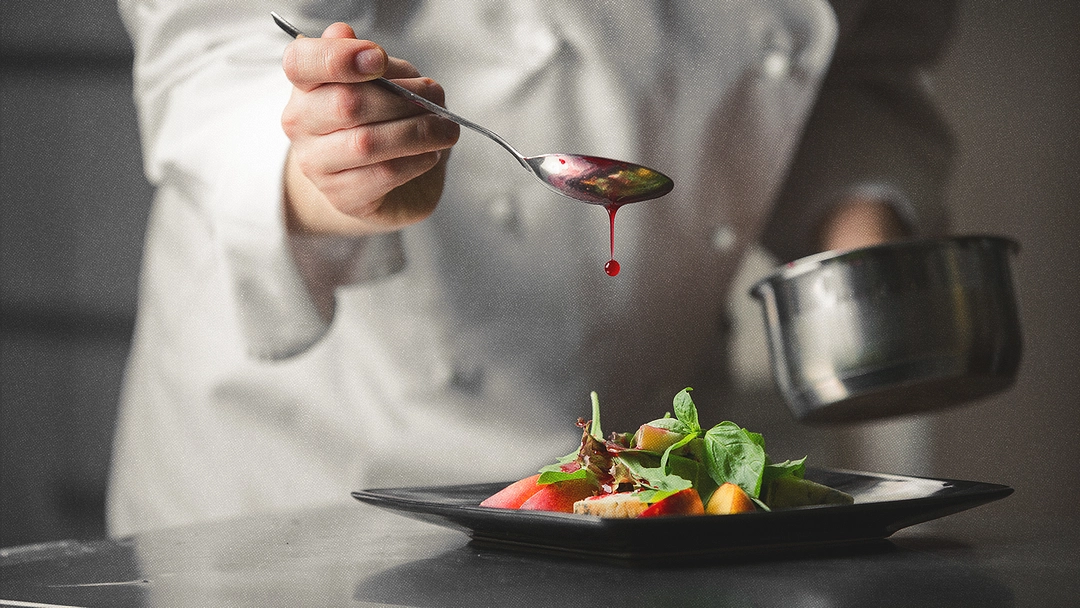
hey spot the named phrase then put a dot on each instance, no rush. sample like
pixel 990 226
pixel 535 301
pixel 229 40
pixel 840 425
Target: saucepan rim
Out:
pixel 813 262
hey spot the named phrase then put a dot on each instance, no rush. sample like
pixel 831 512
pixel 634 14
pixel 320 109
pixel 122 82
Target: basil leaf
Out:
pixel 686 411
pixel 777 470
pixel 684 473
pixel 547 477
pixel 793 468
pixel 735 455
pixel 596 432
pixel 670 424
pixel 757 438
pixel 557 465
pixel 655 478
pixel 653 496
pixel 696 473
pixel 675 446
pixel 554 472
pixel 634 458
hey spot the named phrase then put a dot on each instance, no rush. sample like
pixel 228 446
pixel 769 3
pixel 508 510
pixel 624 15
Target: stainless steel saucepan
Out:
pixel 892 329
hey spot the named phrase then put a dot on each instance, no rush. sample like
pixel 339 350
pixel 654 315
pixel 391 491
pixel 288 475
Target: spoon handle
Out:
pixel 428 105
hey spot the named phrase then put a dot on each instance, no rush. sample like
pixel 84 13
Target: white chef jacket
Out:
pixel 464 347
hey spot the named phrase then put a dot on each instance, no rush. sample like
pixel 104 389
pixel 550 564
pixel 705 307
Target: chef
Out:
pixel 332 299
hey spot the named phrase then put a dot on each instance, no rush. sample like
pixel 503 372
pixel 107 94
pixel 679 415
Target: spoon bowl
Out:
pixel 590 179
pixel 597 180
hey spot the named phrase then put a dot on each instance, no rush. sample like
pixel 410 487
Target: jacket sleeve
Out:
pixel 874 130
pixel 210 91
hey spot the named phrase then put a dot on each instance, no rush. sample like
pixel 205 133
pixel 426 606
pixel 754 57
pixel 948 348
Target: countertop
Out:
pixel 358 555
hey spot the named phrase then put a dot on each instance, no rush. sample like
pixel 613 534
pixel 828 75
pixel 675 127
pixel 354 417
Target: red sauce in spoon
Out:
pixel 617 183
pixel 601 181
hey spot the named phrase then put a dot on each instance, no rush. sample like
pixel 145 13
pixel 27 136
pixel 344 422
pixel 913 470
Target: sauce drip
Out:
pixel 600 181
pixel 614 184
pixel 612 267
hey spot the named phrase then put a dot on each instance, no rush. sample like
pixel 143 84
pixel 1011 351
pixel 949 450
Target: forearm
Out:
pixel 860 222
pixel 874 132
pixel 210 94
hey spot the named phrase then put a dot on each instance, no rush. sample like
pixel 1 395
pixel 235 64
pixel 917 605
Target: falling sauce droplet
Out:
pixel 601 181
pixel 612 267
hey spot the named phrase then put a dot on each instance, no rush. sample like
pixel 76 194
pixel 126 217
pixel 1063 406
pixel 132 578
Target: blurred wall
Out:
pixel 1010 88
pixel 73 204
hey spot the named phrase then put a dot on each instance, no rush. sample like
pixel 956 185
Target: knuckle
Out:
pixel 293 118
pixel 362 142
pixel 421 129
pixel 425 130
pixel 344 104
pixel 433 91
pixel 433 130
pixel 290 123
pixel 305 164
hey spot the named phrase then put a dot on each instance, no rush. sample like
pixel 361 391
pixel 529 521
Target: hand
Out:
pixel 861 222
pixel 362 159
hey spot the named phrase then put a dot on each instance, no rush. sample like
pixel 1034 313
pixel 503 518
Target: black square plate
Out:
pixel 883 504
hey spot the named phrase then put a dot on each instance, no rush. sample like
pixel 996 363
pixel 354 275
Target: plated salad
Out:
pixel 669 466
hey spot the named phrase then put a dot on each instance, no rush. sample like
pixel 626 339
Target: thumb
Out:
pixel 337 57
pixel 369 60
pixel 339 30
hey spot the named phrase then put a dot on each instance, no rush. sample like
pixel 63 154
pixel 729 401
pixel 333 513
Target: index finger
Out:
pixel 310 62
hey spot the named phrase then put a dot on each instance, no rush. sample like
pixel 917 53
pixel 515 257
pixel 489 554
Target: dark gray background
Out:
pixel 74 203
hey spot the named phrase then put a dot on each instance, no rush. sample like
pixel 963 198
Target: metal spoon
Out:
pixel 592 179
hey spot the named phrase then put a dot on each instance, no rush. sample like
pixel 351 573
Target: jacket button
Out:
pixel 723 239
pixel 467 378
pixel 503 210
pixel 776 65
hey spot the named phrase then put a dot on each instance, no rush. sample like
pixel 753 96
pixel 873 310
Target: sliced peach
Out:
pixel 560 496
pixel 728 499
pixel 655 439
pixel 513 495
pixel 683 502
